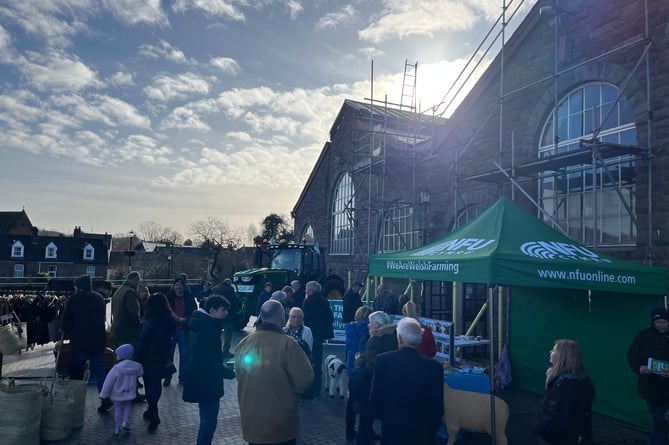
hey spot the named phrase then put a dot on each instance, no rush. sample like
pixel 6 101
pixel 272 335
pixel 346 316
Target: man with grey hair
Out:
pixel 272 371
pixel 407 390
pixel 320 319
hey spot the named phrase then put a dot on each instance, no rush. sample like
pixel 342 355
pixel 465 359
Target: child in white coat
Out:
pixel 121 386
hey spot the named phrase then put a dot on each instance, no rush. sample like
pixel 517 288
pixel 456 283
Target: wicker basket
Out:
pixel 57 416
pixel 75 390
pixel 21 408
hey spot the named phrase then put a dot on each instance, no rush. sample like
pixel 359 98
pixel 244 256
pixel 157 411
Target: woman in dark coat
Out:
pixel 565 417
pixel 153 349
pixel 356 338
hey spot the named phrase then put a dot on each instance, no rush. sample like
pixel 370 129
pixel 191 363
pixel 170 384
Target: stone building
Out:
pixel 570 120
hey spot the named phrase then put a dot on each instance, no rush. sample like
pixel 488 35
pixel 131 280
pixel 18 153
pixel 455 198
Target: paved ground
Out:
pixel 322 419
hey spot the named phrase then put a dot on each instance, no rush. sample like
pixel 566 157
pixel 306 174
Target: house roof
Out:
pixel 8 219
pixel 69 249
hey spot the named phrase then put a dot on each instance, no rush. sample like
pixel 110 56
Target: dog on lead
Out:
pixel 335 376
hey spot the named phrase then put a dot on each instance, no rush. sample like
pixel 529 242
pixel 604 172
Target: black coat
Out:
pixel 154 342
pixel 649 343
pixel 352 301
pixel 204 367
pixel 84 322
pixel 319 317
pixel 408 396
pixel 565 417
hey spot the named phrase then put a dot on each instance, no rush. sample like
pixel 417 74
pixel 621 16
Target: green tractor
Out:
pixel 285 262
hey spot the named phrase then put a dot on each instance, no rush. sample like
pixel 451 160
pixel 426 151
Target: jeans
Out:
pixel 208 419
pixel 180 339
pixel 78 362
pixel 659 416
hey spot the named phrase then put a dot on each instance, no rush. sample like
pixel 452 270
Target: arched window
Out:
pixel 342 216
pixel 307 235
pixel 569 195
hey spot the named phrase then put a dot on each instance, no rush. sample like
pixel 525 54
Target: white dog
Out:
pixel 335 375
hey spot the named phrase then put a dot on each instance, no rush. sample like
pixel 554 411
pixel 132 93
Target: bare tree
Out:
pixel 153 232
pixel 215 234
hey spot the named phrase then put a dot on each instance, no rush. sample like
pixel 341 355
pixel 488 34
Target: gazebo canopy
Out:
pixel 506 245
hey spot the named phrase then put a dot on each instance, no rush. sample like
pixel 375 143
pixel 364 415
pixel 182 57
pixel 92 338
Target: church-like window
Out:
pixel 342 216
pixel 591 210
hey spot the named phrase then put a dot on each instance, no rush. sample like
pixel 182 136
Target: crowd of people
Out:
pixel 392 375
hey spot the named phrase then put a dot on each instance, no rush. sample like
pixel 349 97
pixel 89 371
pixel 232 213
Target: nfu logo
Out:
pixel 552 250
pixel 462 246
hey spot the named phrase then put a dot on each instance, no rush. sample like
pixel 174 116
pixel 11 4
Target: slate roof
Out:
pixel 69 249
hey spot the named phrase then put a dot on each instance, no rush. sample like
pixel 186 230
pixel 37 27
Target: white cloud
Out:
pixel 145 149
pixel 104 109
pixel 225 8
pixel 295 8
pixel 163 51
pixel 182 118
pixel 225 64
pixel 133 12
pixel 5 40
pixel 403 18
pixel 370 51
pixel 337 18
pixel 166 88
pixel 48 20
pixel 120 78
pixel 57 71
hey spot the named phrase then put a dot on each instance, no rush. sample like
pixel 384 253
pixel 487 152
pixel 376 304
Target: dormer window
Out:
pixel 89 252
pixel 17 249
pixel 51 251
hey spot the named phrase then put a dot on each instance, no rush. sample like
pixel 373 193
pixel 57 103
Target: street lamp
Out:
pixel 130 252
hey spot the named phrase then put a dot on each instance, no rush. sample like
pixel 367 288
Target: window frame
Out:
pixel 399 229
pixel 21 250
pixel 47 251
pixel 568 196
pixel 22 272
pixel 343 214
pixel 91 249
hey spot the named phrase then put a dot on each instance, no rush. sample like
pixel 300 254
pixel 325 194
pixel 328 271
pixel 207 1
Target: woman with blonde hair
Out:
pixel 565 417
pixel 295 328
pixel 428 346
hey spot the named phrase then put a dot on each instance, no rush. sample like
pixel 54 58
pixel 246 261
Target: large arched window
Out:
pixel 569 194
pixel 342 216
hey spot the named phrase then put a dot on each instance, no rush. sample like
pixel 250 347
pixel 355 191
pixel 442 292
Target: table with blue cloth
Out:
pixel 465 382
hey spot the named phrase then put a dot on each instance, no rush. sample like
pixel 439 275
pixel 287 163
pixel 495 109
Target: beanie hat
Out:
pixel 83 282
pixel 124 352
pixel 659 314
pixel 181 277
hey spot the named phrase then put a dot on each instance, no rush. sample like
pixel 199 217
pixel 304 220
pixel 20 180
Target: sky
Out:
pixel 117 112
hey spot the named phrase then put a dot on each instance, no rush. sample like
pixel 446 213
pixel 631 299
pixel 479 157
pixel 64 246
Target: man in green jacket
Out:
pixel 272 371
pixel 125 311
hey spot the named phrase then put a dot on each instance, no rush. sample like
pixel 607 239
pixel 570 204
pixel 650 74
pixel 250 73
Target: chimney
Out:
pixel 77 231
